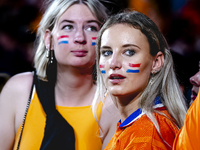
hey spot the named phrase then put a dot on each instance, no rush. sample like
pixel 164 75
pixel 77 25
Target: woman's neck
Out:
pixel 126 105
pixel 74 88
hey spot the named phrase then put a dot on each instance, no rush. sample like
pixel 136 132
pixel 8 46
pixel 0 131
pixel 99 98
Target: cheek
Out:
pixel 63 39
pixel 103 65
pixel 102 68
pixel 133 67
pixel 144 73
pixel 94 39
pixel 139 73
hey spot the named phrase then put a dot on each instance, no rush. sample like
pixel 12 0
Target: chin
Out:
pixel 116 93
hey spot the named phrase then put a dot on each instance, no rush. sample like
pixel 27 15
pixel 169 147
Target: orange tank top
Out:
pixel 86 129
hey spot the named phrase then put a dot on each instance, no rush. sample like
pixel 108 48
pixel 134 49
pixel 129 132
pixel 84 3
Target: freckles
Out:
pixel 63 39
pixel 102 69
pixel 133 68
pixel 94 41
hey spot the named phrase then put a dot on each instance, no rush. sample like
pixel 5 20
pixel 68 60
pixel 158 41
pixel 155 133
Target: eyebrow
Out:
pixel 89 21
pixel 105 47
pixel 67 21
pixel 126 45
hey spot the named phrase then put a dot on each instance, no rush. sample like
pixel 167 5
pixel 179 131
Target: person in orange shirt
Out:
pixel 189 135
pixel 195 81
pixel 135 69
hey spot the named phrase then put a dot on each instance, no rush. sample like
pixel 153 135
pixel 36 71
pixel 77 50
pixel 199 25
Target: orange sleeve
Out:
pixel 188 137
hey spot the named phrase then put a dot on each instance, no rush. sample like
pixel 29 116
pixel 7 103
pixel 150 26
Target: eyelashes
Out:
pixel 128 52
pixel 106 53
pixel 90 28
pixel 67 27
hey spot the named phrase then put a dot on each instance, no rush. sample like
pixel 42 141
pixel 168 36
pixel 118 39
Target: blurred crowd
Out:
pixel 179 21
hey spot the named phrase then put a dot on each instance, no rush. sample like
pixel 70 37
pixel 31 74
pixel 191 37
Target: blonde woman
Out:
pixel 52 110
pixel 134 66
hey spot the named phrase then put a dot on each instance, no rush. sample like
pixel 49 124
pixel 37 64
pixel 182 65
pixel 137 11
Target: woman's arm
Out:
pixel 13 99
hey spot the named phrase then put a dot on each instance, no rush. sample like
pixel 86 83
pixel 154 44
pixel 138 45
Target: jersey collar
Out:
pixel 138 113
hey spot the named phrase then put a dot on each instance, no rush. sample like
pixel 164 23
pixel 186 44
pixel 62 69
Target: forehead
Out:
pixel 123 34
pixel 77 12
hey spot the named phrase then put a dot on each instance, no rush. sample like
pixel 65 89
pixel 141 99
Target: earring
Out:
pixel 47 53
pixel 51 57
pixel 154 72
pixel 51 70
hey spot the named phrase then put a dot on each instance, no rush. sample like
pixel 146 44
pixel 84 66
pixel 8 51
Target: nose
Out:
pixel 80 37
pixel 195 80
pixel 115 62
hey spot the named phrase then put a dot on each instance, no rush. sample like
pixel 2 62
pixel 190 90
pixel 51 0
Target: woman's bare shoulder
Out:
pixel 19 82
pixel 17 87
pixel 13 100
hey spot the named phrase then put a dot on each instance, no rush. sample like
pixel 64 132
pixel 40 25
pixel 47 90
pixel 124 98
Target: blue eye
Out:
pixel 129 52
pixel 107 53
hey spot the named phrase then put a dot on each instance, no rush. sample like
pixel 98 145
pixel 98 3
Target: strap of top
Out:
pixel 58 133
pixel 27 107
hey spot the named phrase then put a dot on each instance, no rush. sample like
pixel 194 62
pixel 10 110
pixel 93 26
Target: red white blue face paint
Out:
pixel 102 69
pixel 134 68
pixel 94 41
pixel 64 39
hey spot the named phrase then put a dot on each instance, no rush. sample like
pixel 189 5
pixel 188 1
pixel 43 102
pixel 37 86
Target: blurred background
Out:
pixel 178 20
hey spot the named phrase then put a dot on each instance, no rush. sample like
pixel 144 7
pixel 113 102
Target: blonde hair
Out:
pixel 163 84
pixel 52 14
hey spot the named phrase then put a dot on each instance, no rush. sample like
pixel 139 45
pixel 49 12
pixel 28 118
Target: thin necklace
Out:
pixel 27 107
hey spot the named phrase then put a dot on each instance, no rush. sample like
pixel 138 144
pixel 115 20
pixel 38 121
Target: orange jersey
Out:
pixel 188 137
pixel 142 134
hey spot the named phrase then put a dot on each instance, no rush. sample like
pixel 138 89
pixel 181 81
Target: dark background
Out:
pixel 178 20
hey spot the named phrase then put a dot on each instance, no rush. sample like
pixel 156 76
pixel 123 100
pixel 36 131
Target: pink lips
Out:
pixel 193 96
pixel 116 78
pixel 79 53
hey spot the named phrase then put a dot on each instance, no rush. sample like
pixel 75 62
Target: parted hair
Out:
pixel 52 14
pixel 163 83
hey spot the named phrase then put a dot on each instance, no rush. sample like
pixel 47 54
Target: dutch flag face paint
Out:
pixel 64 39
pixel 94 41
pixel 134 68
pixel 102 69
